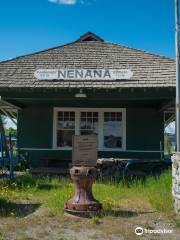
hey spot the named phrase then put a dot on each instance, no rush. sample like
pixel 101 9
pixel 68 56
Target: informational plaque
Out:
pixel 84 150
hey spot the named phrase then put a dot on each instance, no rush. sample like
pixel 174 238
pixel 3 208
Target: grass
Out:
pixel 28 193
pixel 95 220
pixel 176 221
pixel 154 193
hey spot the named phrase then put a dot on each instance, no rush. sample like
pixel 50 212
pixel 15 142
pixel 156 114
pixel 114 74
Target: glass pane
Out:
pixel 95 119
pixel 119 116
pixel 113 116
pixel 89 114
pixel 59 125
pixel 89 123
pixel 106 116
pixel 60 116
pixel 69 125
pixel 66 114
pixel 64 138
pixel 83 124
pixel 72 114
pixel 112 142
pixel 83 114
pixel 66 120
pixel 87 132
pixel 95 127
pixel 95 114
pixel 113 130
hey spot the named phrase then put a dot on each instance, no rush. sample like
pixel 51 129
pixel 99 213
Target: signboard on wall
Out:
pixel 84 151
pixel 83 74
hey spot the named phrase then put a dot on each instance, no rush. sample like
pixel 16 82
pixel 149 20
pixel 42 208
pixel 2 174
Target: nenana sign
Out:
pixel 84 151
pixel 83 74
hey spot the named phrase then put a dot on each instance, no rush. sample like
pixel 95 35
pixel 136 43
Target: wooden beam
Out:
pixel 166 105
pixel 9 116
pixel 9 104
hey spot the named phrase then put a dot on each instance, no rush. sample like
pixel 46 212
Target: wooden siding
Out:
pixel 144 131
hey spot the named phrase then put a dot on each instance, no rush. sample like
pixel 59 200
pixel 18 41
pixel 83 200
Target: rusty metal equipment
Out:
pixel 83 174
pixel 83 203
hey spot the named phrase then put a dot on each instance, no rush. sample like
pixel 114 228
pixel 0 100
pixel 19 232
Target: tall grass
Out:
pixel 154 192
pixel 159 192
pixel 116 197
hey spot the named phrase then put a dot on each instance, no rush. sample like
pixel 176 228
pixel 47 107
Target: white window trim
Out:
pixel 100 129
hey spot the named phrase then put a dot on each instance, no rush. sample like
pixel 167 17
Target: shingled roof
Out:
pixel 89 52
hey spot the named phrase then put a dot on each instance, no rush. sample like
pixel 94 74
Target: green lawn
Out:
pixel 154 193
pixel 32 209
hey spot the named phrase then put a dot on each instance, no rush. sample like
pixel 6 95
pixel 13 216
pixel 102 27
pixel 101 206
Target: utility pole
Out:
pixel 177 76
pixel 176 156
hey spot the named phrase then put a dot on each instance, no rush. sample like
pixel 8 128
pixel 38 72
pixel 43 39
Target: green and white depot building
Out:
pixel 90 86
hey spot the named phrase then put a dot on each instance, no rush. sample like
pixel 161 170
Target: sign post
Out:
pixel 83 174
pixel 177 76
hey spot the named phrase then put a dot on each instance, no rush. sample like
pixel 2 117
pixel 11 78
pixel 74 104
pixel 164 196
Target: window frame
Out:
pixel 100 126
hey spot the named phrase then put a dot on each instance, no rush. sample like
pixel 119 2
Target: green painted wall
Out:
pixel 35 127
pixel 144 127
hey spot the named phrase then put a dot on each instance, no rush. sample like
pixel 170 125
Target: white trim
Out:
pixel 124 129
pixel 100 128
pixel 58 149
pixel 54 142
pixel 77 122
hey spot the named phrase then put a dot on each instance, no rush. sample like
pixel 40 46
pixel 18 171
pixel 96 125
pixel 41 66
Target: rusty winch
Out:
pixel 83 203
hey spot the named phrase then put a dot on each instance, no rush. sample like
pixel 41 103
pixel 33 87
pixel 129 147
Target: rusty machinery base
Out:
pixel 83 204
pixel 81 214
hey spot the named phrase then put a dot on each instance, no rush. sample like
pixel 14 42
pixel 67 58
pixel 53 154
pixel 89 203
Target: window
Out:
pixel 113 129
pixel 89 123
pixel 108 124
pixel 65 128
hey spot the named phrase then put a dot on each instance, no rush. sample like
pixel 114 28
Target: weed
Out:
pixel 95 220
pixel 177 222
pixel 1 236
pixel 61 238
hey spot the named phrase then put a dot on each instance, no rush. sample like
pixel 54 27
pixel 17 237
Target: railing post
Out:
pixel 11 173
pixel 1 149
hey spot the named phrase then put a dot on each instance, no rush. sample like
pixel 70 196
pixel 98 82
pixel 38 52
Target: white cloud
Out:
pixel 73 2
pixel 67 2
pixel 9 123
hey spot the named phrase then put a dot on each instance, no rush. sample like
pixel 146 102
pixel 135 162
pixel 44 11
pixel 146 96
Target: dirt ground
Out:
pixel 38 225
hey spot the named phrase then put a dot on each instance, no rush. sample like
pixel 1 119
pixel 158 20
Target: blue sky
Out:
pixel 28 26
